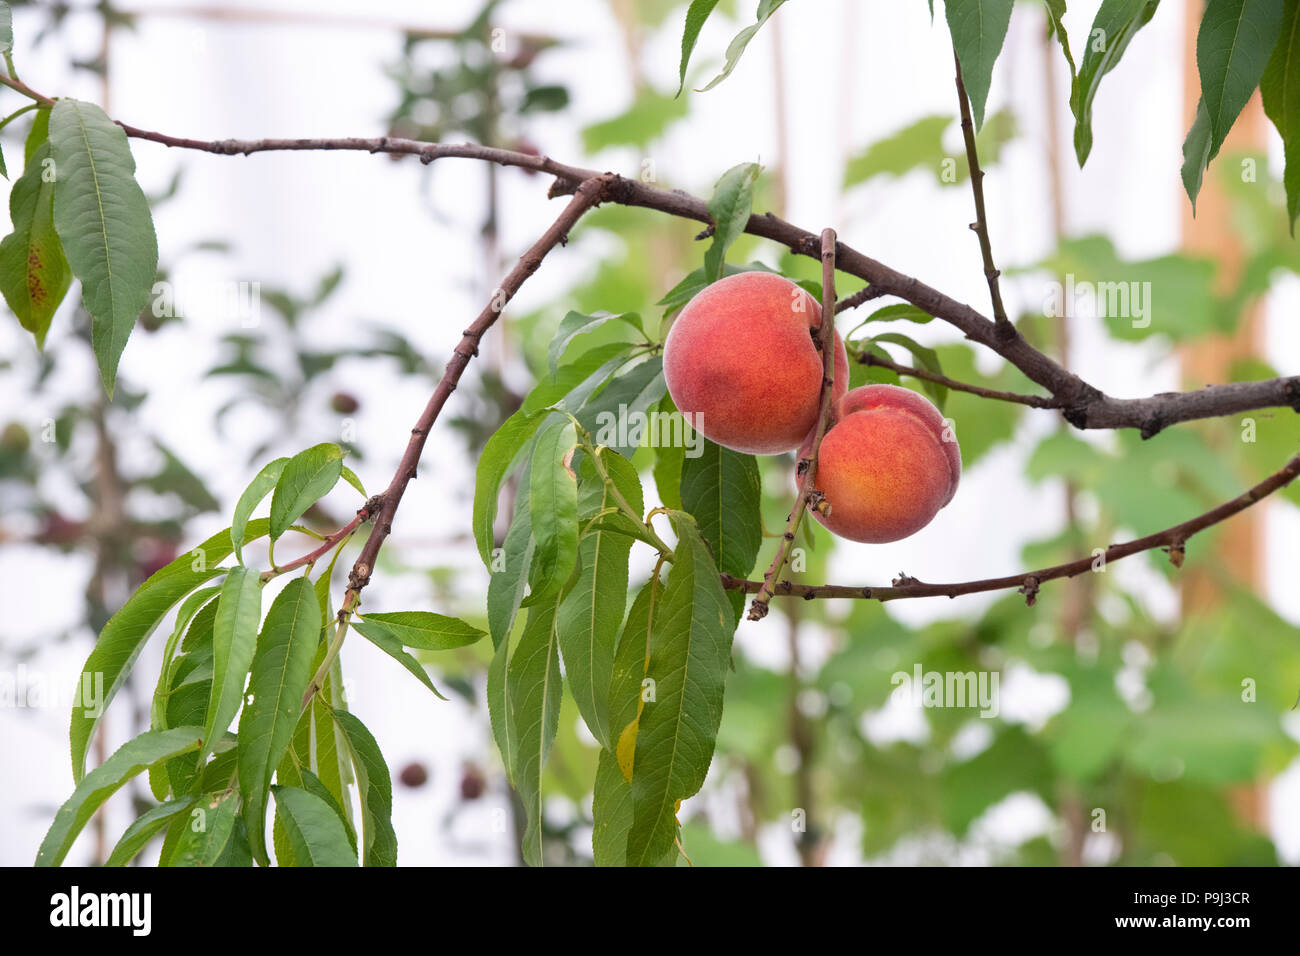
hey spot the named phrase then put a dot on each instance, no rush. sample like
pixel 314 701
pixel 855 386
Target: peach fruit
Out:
pixel 741 363
pixel 887 465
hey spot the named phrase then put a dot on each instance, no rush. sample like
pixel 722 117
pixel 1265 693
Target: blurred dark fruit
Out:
pixel 413 775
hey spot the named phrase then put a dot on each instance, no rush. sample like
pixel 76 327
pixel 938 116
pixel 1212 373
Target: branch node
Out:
pixel 1177 551
pixel 1030 590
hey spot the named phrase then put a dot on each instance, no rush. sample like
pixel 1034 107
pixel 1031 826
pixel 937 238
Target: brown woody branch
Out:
pixel 1173 539
pixel 1034 401
pixel 588 194
pixel 1083 405
pixel 981 223
pixel 807 467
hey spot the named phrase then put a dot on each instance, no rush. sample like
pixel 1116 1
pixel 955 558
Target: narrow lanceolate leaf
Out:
pixel 553 508
pixel 505 593
pixel 1280 88
pixel 574 324
pixel 696 14
pixel 533 684
pixel 1112 28
pixel 391 646
pixel 730 206
pixel 315 832
pixel 6 28
pixel 591 611
pixel 740 41
pixel 1196 153
pixel 614 416
pixel 611 806
pixel 281 672
pixel 1233 46
pixel 102 782
pixel 424 629
pixel 667 469
pixel 1056 16
pixel 126 632
pixel 34 273
pixel 257 489
pixel 234 638
pixel 721 489
pixel 307 477
pixel 379 843
pixel 493 465
pixel 144 828
pixel 103 219
pixel 689 654
pixel 978 28
pixel 190 607
pixel 211 826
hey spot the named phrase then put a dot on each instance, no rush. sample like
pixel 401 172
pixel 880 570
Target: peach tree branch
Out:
pixel 807 468
pixel 588 194
pixel 1172 539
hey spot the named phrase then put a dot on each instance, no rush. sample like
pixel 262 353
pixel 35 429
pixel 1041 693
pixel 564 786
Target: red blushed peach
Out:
pixel 741 364
pixel 887 465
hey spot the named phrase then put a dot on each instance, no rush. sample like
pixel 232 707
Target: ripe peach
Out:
pixel 742 366
pixel 887 465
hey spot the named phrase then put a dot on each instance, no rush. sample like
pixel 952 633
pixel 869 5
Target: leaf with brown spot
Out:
pixel 34 274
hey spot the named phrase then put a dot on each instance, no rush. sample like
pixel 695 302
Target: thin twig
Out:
pixel 981 223
pixel 859 297
pixel 808 466
pixel 904 586
pixel 588 194
pixel 1034 401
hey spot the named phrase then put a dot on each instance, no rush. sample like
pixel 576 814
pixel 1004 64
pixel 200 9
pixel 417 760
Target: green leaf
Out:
pixel 205 840
pixel 533 687
pixel 689 654
pixel 391 646
pixel 615 416
pixel 505 594
pixel 281 672
pixel 103 219
pixel 920 144
pixel 493 466
pixel 257 489
pixel 34 273
pixel 315 832
pixel 584 375
pixel 351 478
pixel 6 28
pixel 722 491
pixel 1056 17
pixel 105 780
pixel 928 358
pixel 696 14
pixel 902 311
pixel 307 477
pixel 591 611
pixel 144 828
pixel 189 609
pixel 1112 29
pixel 1233 46
pixel 234 638
pixel 1280 87
pixel 611 806
pixel 736 48
pixel 126 632
pixel 668 461
pixel 1196 153
pixel 574 324
pixel 379 844
pixel 553 508
pixel 424 629
pixel 978 30
pixel 647 119
pixel 730 206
